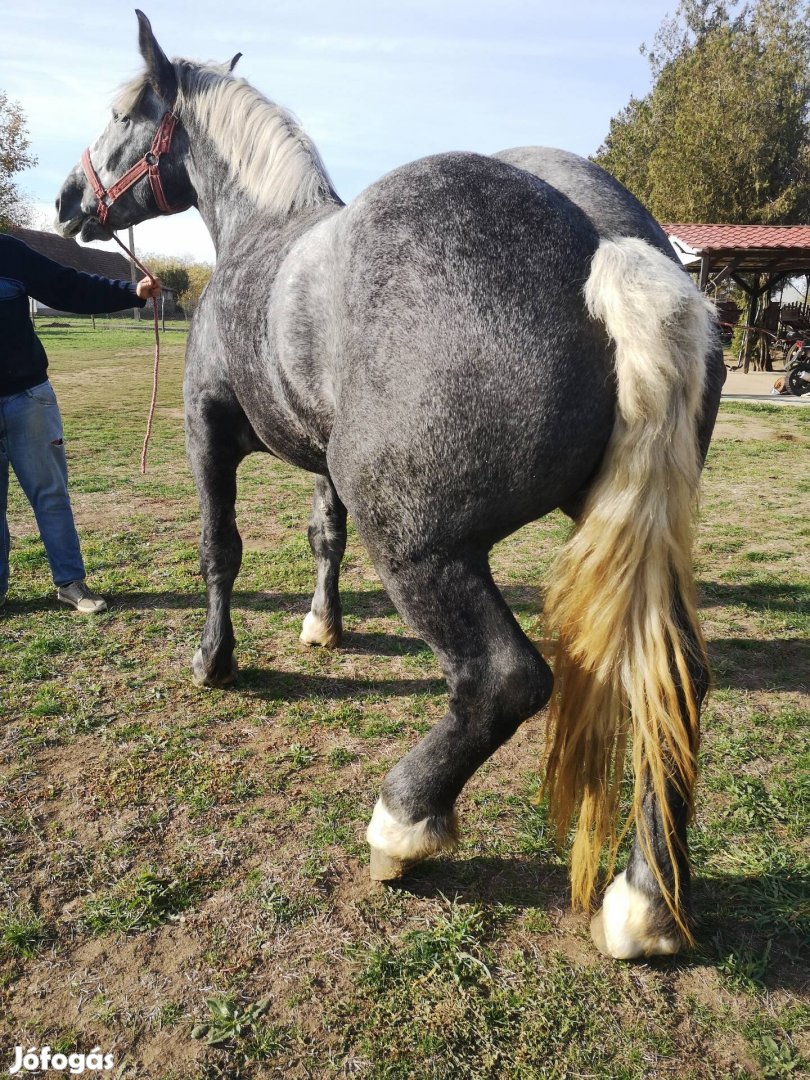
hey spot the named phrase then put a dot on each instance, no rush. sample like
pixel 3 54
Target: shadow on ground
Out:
pixel 743 664
pixel 764 596
pixel 756 924
pixel 295 686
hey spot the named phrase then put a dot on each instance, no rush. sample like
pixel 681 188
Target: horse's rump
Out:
pixel 463 334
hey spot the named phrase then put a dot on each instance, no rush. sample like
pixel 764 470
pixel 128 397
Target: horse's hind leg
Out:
pixel 635 919
pixel 218 437
pixel 327 538
pixel 496 679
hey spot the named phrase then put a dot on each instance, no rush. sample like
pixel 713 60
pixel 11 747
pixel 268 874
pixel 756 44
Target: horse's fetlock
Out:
pixel 217 670
pixel 317 629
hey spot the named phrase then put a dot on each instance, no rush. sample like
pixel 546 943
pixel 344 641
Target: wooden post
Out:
pixel 751 319
pixel 132 274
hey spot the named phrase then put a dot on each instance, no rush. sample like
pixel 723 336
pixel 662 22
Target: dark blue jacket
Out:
pixel 23 273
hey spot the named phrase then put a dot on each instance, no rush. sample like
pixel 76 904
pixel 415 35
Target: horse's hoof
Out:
pixel 316 631
pixel 397 847
pixel 383 867
pixel 623 928
pixel 201 676
pixel 598 933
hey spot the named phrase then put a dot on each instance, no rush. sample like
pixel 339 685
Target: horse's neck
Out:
pixel 225 207
pixel 226 210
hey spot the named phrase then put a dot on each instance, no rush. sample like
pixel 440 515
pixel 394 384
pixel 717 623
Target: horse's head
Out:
pixel 136 168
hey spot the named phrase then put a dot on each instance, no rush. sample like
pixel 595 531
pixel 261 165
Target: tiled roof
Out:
pixel 725 237
pixel 91 260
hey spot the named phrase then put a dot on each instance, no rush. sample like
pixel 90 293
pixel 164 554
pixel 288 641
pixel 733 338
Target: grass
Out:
pixel 178 862
pixel 22 934
pixel 140 903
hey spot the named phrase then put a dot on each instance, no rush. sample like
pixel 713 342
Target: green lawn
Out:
pixel 184 877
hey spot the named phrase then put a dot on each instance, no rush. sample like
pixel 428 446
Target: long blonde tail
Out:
pixel 621 603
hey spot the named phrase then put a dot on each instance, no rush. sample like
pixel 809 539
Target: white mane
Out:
pixel 270 156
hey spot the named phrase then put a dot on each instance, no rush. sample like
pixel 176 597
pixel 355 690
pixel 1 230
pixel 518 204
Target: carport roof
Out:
pixel 768 249
pixel 722 237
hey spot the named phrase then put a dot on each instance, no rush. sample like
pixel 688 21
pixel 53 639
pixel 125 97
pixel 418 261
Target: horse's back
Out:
pixel 613 210
pixel 474 382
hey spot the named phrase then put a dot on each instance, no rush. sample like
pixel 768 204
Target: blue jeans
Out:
pixel 31 441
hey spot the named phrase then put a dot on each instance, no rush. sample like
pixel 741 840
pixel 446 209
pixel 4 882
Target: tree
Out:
pixel 14 157
pixel 723 135
pixel 185 278
pixel 173 273
pixel 199 274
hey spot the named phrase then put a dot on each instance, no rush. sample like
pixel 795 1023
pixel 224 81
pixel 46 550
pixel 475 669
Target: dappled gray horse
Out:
pixel 457 352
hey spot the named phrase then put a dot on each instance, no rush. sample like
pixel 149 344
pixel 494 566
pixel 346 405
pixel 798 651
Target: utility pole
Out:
pixel 132 271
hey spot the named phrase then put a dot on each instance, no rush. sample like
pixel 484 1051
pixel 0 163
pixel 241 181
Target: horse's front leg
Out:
pixel 216 445
pixel 327 537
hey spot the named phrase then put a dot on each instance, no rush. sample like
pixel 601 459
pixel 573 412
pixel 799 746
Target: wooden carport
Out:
pixel 758 258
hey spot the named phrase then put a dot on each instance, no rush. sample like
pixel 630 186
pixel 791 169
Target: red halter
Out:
pixel 148 165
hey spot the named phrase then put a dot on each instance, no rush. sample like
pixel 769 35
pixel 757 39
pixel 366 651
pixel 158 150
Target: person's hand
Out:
pixel 148 288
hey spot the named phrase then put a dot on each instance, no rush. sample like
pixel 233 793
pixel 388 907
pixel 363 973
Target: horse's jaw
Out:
pixel 68 228
pixel 91 229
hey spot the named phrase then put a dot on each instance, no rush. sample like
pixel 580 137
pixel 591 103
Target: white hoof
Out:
pixel 317 632
pixel 621 928
pixel 395 847
pixel 383 867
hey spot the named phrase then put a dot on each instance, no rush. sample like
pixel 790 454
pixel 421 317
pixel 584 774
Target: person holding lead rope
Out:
pixel 31 438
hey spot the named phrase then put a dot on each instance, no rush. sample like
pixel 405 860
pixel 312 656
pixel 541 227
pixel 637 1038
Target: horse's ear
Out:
pixel 235 61
pixel 159 69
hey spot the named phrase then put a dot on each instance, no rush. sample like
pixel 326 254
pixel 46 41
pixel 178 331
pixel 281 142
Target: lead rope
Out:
pixel 156 366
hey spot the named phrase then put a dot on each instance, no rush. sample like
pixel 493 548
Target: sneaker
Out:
pixel 80 597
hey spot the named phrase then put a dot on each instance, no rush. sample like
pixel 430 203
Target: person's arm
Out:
pixel 67 289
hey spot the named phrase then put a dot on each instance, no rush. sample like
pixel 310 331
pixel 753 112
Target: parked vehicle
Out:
pixel 797 378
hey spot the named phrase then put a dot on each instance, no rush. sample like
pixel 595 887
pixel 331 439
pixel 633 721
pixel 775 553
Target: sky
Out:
pixel 374 83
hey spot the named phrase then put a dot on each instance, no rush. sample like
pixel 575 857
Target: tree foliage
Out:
pixel 14 157
pixel 185 278
pixel 723 135
pixel 199 274
pixel 173 273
